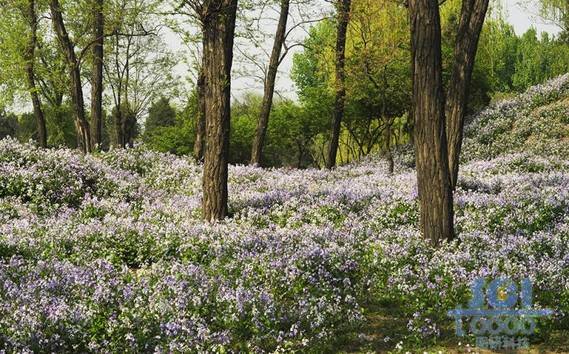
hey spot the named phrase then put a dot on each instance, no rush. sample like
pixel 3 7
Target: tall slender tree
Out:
pixel 30 13
pixel 68 48
pixel 97 73
pixel 472 18
pixel 343 18
pixel 269 84
pixel 433 178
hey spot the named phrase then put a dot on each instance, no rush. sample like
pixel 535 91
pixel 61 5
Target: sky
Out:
pixel 522 17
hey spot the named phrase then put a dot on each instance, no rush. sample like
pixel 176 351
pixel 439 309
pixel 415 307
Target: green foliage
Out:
pixel 8 125
pixel 244 116
pixel 161 114
pixel 60 126
pixel 557 13
pixel 170 130
pixel 290 135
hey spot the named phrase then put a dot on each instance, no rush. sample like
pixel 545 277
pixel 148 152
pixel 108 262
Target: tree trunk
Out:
pixel 120 141
pixel 433 180
pixel 388 123
pixel 81 123
pixel 97 74
pixel 29 57
pixel 219 30
pixel 199 144
pixel 125 137
pixel 269 86
pixel 389 151
pixel 343 8
pixel 471 21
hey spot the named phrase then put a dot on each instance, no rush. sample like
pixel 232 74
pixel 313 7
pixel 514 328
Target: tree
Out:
pixel 472 18
pixel 218 30
pixel 377 82
pixel 138 68
pixel 434 175
pixel 217 20
pixel 199 143
pixel 19 59
pixel 30 58
pixel 172 134
pixel 160 114
pixel 8 125
pixel 557 13
pixel 433 180
pixel 343 17
pixel 129 127
pixel 191 35
pixel 377 75
pixel 72 61
pixel 269 84
pixel 496 56
pixel 97 73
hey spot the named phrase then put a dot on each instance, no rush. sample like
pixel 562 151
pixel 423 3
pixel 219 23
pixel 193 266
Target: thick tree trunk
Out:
pixel 343 8
pixel 29 55
pixel 81 123
pixel 433 180
pixel 219 30
pixel 471 21
pixel 269 86
pixel 97 74
pixel 199 144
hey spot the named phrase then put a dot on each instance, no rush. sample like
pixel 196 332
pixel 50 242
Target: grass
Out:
pixel 384 326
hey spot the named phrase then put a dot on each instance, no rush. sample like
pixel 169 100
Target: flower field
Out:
pixel 107 253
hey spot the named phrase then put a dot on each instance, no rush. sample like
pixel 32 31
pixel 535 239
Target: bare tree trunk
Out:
pixel 388 123
pixel 433 180
pixel 97 74
pixel 218 30
pixel 120 140
pixel 269 86
pixel 388 136
pixel 343 8
pixel 29 57
pixel 199 144
pixel 81 124
pixel 471 21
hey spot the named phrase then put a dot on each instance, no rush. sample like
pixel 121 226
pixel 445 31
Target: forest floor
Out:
pixel 384 326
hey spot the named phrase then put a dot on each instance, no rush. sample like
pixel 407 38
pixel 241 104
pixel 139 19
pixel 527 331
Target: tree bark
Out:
pixel 343 8
pixel 29 56
pixel 199 144
pixel 269 86
pixel 471 22
pixel 81 123
pixel 219 29
pixel 97 74
pixel 433 180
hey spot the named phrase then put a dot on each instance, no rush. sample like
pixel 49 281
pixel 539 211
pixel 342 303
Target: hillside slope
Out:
pixel 536 121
